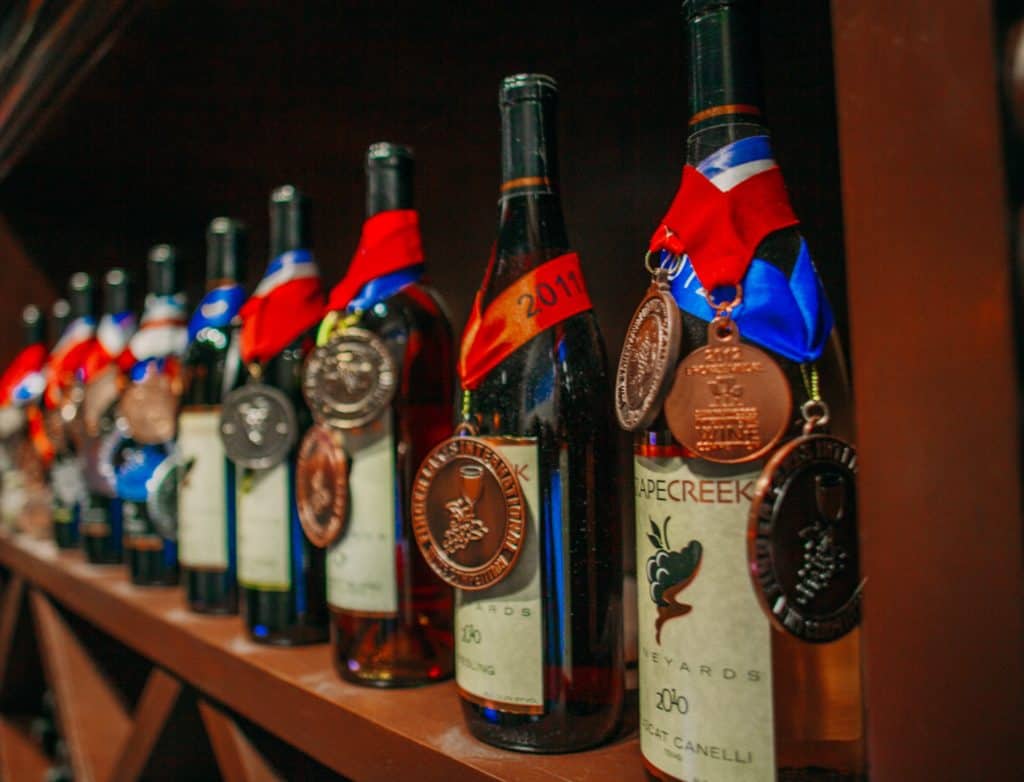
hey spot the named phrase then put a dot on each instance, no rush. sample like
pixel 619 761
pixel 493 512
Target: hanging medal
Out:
pixel 650 351
pixel 730 402
pixel 802 535
pixel 258 423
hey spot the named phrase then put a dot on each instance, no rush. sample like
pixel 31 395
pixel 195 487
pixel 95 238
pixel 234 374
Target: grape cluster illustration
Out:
pixel 669 573
pixel 463 526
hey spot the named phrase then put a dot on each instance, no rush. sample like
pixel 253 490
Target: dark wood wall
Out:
pixel 204 105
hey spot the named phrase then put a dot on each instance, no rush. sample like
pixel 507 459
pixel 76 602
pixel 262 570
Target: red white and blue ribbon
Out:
pixel 67 357
pixel 389 257
pixel 23 381
pixel 288 302
pixel 725 207
pixel 162 331
pixel 216 309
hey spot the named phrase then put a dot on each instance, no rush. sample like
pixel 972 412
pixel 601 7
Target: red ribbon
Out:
pixel 62 368
pixel 37 434
pixel 271 323
pixel 720 231
pixel 546 296
pixel 29 360
pixel 390 242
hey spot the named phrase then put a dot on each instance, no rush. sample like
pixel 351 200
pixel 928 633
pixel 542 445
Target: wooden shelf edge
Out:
pixel 20 756
pixel 361 733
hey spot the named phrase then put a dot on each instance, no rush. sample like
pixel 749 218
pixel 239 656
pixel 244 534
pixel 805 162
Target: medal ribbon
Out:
pixel 789 316
pixel 113 335
pixel 216 309
pixel 548 295
pixel 24 375
pixel 67 356
pixel 389 257
pixel 138 467
pixel 37 434
pixel 288 301
pixel 725 206
pixel 160 340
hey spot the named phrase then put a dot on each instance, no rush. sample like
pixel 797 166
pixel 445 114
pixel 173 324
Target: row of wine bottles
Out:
pixel 292 451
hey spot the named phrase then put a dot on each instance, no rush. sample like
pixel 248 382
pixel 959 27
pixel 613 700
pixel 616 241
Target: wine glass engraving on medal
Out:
pixel 412 646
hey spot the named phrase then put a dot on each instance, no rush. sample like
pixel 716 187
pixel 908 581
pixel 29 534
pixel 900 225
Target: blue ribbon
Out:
pixel 216 309
pixel 745 150
pixel 141 369
pixel 380 288
pixel 140 462
pixel 791 317
pixel 288 258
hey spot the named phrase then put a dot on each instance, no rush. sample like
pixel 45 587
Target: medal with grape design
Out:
pixel 669 573
pixel 468 513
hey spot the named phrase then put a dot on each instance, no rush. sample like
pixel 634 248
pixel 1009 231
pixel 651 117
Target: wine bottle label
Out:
pixel 67 481
pixel 202 491
pixel 499 630
pixel 264 520
pixel 95 523
pixel 138 529
pixel 361 576
pixel 12 496
pixel 705 642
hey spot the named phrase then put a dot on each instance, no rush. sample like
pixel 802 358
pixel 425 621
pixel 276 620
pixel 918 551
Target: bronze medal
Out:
pixel 150 408
pixel 321 479
pixel 468 513
pixel 803 538
pixel 649 354
pixel 258 426
pixel 100 393
pixel 350 380
pixel 730 402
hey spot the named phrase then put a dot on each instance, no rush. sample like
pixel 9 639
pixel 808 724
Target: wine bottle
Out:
pixel 726 693
pixel 211 368
pixel 65 365
pixel 19 386
pixel 145 463
pixel 280 573
pixel 526 519
pixel 387 332
pixel 102 516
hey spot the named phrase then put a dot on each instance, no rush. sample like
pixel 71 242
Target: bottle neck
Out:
pixel 115 300
pixel 388 187
pixel 289 228
pixel 724 89
pixel 33 331
pixel 531 227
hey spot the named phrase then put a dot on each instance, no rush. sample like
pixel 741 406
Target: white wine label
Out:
pixel 12 496
pixel 704 641
pixel 202 491
pixel 499 651
pixel 264 523
pixel 361 575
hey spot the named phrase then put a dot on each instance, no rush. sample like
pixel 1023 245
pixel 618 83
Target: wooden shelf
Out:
pixel 361 733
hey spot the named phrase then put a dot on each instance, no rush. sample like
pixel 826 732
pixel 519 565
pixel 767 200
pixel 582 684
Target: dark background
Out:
pixel 203 106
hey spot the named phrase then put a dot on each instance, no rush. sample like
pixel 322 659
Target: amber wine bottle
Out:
pixel 724 693
pixel 102 520
pixel 280 573
pixel 391 614
pixel 145 469
pixel 539 653
pixel 206 483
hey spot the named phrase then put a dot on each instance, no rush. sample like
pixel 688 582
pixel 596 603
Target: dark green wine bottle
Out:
pixel 102 517
pixel 68 487
pixel 391 615
pixel 151 556
pixel 785 708
pixel 551 631
pixel 291 608
pixel 211 368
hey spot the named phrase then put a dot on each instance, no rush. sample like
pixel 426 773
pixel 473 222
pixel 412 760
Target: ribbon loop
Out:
pixel 216 309
pixel 23 382
pixel 288 301
pixel 67 357
pixel 389 257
